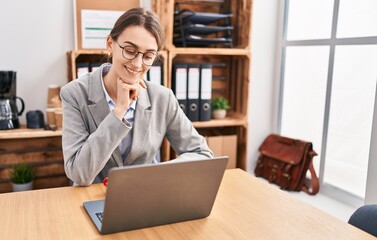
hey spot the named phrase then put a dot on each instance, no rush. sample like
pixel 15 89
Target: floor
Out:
pixel 331 206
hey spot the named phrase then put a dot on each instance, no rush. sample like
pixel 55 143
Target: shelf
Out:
pixel 232 120
pixel 240 19
pixel 28 133
pixel 201 29
pixel 199 17
pixel 40 148
pixel 81 56
pixel 90 51
pixel 211 51
pixel 231 81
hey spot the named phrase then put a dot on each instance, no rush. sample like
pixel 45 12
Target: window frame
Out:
pixel 332 42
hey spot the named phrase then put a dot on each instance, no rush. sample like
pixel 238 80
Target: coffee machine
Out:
pixel 8 101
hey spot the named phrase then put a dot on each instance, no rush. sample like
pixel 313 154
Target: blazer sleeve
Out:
pixel 86 153
pixel 184 138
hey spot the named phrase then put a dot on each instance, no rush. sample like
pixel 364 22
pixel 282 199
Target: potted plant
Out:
pixel 219 106
pixel 22 177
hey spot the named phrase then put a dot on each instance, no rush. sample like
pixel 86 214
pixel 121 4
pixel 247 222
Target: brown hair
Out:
pixel 139 17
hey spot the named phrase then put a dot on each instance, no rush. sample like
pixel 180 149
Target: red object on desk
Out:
pixel 105 181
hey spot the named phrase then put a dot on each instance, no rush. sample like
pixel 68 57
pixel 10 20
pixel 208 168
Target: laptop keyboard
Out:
pixel 99 216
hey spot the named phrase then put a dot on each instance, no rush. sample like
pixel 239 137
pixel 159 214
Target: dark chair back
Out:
pixel 365 218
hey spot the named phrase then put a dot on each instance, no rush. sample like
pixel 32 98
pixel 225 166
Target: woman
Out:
pixel 112 118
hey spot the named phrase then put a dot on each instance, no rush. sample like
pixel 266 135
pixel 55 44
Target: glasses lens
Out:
pixel 129 53
pixel 148 58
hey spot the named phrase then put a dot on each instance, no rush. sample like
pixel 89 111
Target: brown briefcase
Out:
pixel 284 161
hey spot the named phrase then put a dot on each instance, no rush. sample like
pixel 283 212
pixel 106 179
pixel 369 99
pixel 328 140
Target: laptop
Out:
pixel 150 195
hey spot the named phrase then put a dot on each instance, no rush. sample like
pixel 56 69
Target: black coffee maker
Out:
pixel 8 107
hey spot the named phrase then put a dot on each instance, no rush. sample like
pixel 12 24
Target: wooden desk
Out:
pixel 37 147
pixel 245 208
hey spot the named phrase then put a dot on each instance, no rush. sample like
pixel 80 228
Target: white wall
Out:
pixel 263 88
pixel 34 38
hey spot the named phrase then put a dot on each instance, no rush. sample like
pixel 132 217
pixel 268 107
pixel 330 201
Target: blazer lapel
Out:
pixel 99 108
pixel 141 123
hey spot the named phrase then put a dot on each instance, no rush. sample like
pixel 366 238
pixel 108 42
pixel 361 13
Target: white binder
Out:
pixel 180 84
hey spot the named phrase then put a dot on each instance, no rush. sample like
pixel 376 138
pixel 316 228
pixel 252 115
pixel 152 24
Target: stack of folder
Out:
pixel 83 68
pixel 202 29
pixel 192 86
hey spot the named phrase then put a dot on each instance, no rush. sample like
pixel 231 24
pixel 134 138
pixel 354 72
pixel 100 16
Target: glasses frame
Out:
pixel 138 52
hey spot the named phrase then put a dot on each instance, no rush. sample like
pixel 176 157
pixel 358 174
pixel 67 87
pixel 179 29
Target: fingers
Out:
pixel 126 93
pixel 142 84
pixel 123 93
pixel 131 89
pixel 134 93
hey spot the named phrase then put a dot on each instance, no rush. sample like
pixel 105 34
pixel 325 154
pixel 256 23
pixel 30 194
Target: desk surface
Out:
pixel 245 208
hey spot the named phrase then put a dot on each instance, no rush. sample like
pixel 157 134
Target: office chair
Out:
pixel 365 218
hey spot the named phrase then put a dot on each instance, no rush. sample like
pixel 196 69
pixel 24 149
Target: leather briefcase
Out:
pixel 285 161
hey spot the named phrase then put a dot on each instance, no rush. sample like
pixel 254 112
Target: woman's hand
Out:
pixel 126 93
pixel 142 83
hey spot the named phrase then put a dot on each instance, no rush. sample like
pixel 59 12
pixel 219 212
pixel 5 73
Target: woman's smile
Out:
pixel 133 72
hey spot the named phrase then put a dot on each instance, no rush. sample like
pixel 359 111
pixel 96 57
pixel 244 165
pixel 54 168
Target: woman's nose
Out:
pixel 138 60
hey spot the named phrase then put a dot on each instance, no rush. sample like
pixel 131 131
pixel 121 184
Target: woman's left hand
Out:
pixel 135 94
pixel 142 84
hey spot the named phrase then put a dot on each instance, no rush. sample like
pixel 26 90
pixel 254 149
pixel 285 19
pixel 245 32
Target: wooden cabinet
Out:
pixel 89 56
pixel 234 84
pixel 241 19
pixel 37 147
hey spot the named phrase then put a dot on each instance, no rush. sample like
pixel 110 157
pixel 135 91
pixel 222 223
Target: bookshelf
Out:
pixel 235 85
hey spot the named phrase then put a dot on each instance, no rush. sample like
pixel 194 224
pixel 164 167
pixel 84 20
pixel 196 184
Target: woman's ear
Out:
pixel 109 43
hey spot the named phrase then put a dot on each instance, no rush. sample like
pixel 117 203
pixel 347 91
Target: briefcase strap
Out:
pixel 314 182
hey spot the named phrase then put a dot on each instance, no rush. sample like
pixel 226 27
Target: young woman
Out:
pixel 112 118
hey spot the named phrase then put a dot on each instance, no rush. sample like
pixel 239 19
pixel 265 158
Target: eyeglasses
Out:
pixel 130 53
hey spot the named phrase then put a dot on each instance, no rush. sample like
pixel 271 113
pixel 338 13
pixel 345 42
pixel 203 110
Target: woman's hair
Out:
pixel 139 17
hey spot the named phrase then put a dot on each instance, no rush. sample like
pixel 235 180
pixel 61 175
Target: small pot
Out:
pixel 219 114
pixel 19 187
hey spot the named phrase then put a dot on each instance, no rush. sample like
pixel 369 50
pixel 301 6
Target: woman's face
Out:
pixel 133 39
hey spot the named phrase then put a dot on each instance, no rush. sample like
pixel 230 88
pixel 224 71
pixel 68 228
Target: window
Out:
pixel 328 84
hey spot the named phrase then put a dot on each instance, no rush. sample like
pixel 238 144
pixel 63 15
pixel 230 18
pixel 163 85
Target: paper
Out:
pixel 96 26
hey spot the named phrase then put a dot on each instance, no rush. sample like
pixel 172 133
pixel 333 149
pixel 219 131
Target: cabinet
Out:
pixel 40 148
pixel 234 84
pixel 234 67
pixel 74 58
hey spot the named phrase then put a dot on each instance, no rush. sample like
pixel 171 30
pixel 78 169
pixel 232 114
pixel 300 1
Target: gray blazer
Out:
pixel 92 133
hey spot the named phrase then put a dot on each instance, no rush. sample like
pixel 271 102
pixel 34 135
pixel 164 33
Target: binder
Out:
pixel 82 68
pixel 205 92
pixel 193 91
pixel 155 74
pixel 94 66
pixel 180 84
